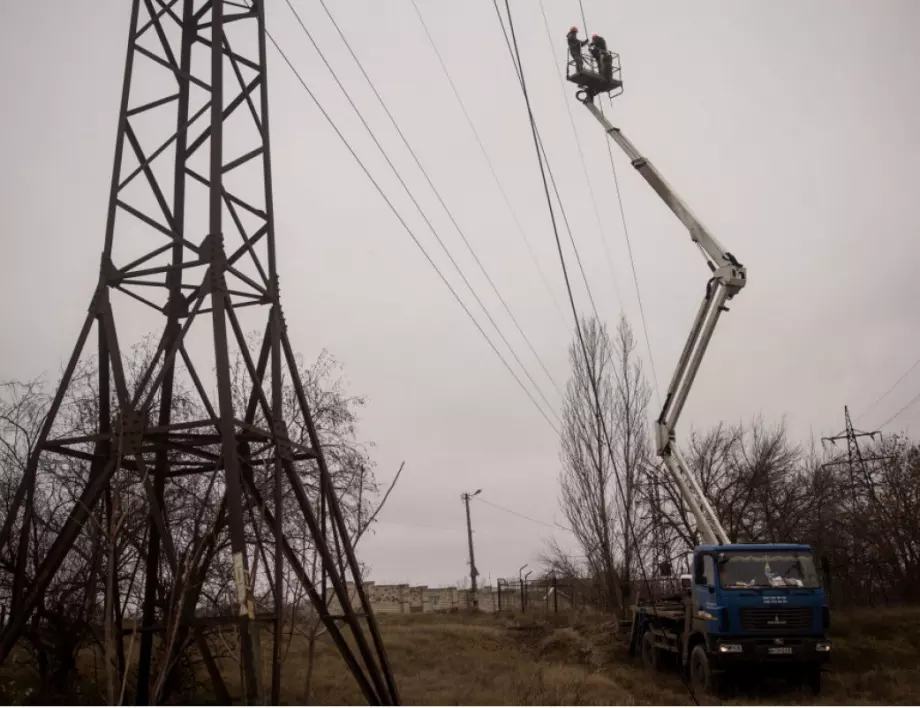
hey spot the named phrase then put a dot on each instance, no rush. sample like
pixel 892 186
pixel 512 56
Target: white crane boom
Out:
pixel 728 277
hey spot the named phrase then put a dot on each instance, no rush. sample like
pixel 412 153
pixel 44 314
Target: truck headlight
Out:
pixel 823 646
pixel 730 648
pixel 702 614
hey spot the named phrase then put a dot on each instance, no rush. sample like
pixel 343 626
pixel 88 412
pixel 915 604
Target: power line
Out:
pixel 406 524
pixel 885 395
pixel 584 348
pixel 515 60
pixel 565 221
pixel 619 202
pixel 501 22
pixel 438 195
pixel 422 213
pixel 425 217
pixel 632 263
pixel 523 516
pixel 581 155
pixel 485 154
pixel 909 404
pixel 408 230
pixel 540 159
pixel 543 171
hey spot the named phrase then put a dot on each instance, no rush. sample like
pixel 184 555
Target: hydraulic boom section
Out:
pixel 728 277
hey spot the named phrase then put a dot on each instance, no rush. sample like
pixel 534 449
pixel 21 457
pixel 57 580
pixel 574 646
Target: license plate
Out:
pixel 779 650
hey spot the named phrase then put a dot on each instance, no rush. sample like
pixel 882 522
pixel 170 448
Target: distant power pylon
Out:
pixel 190 239
pixel 857 464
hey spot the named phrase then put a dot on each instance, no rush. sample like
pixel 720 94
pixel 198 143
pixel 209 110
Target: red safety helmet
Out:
pixel 593 36
pixel 573 29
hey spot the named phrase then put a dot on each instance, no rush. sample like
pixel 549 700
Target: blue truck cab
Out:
pixel 746 606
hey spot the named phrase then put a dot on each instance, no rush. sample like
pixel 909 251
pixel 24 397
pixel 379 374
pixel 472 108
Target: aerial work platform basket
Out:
pixel 591 79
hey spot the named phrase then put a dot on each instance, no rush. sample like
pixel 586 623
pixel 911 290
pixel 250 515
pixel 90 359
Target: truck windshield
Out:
pixel 767 569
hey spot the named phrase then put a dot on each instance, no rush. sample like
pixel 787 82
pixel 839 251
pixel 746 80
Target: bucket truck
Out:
pixel 743 605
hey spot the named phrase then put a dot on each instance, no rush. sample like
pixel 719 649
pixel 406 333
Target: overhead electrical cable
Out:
pixel 565 222
pixel 541 158
pixel 438 195
pixel 501 23
pixel 584 165
pixel 523 516
pixel 485 154
pixel 408 229
pixel 900 411
pixel 422 213
pixel 632 261
pixel 549 170
pixel 593 379
pixel 886 394
pixel 409 524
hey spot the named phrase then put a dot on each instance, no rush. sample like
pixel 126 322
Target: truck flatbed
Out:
pixel 668 609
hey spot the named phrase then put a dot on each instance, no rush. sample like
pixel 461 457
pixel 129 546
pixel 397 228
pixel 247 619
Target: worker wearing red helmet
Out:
pixel 575 46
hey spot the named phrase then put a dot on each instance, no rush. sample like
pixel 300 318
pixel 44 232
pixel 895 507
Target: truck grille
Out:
pixel 776 619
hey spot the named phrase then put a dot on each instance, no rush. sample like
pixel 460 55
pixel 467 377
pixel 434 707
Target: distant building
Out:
pixel 408 599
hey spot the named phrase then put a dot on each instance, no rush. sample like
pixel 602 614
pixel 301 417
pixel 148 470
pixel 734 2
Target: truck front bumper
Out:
pixel 728 651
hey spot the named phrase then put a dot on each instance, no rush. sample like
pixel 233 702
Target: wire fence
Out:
pixel 552 595
pixel 549 595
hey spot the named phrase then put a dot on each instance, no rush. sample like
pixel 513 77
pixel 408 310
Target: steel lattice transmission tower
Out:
pixel 190 238
pixel 857 463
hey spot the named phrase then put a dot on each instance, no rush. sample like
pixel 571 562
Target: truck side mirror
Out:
pixel 664 569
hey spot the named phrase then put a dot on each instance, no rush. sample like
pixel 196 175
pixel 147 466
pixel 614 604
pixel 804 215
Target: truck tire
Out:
pixel 701 677
pixel 651 657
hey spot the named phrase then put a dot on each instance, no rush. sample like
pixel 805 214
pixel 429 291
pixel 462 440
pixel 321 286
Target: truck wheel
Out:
pixel 701 677
pixel 650 653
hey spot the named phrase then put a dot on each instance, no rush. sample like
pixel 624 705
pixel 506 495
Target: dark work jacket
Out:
pixel 574 43
pixel 599 44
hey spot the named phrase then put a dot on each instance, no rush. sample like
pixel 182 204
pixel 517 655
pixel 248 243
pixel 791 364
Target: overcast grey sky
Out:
pixel 789 128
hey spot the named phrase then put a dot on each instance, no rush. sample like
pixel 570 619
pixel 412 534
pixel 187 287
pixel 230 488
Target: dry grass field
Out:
pixel 457 659
pixel 463 660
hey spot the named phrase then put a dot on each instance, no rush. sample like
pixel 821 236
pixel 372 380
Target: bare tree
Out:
pixel 746 474
pixel 96 597
pixel 605 451
pixel 587 484
pixel 860 515
pixel 631 452
pixel 862 521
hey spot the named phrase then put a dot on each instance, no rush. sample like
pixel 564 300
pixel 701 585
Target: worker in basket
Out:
pixel 575 46
pixel 598 49
pixel 607 66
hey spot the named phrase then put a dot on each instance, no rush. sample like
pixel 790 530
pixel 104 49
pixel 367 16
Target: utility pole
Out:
pixel 469 534
pixel 521 581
